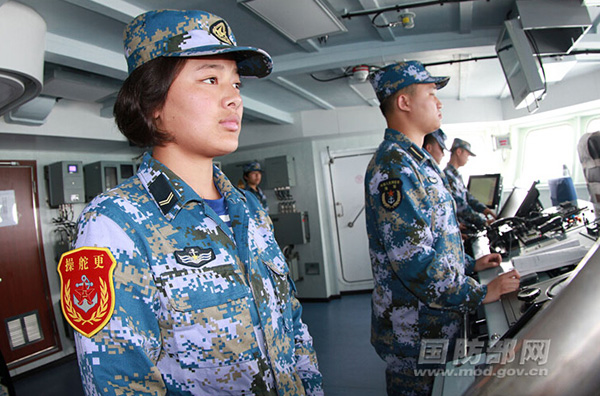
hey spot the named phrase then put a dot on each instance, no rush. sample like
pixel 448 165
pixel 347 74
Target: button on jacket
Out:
pixel 201 308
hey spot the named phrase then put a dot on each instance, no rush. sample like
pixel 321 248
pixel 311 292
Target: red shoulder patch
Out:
pixel 87 292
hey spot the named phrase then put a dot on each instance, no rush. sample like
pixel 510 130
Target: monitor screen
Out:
pixel 519 65
pixel 520 202
pixel 486 189
pixel 529 202
pixel 513 202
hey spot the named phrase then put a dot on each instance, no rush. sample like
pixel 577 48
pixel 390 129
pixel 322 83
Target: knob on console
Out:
pixel 528 294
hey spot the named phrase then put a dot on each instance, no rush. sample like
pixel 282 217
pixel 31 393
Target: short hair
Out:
pixel 429 139
pixel 142 93
pixel 388 104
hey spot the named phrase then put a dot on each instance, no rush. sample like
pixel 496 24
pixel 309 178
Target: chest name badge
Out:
pixel 87 293
pixel 391 193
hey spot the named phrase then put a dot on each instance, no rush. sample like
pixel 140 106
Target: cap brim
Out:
pixel 442 145
pixel 251 62
pixel 440 82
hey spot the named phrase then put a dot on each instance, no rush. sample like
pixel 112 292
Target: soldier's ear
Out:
pixel 403 102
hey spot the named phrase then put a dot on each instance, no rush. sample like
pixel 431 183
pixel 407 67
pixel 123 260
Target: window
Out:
pixel 593 125
pixel 546 150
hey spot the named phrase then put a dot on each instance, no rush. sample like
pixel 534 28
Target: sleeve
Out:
pixel 305 355
pixel 121 358
pixel 465 211
pixel 469 216
pixel 469 264
pixel 306 358
pixel 428 263
pixel 475 204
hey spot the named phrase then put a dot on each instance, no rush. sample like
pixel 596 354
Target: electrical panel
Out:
pixel 103 175
pixel 65 183
pixel 280 171
pixel 291 228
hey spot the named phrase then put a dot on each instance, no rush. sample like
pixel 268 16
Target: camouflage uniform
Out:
pixel 421 289
pixel 201 308
pixel 470 210
pixel 259 194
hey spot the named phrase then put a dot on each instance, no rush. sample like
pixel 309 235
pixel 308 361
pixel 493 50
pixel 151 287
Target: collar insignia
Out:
pixel 162 193
pixel 415 153
pixel 194 256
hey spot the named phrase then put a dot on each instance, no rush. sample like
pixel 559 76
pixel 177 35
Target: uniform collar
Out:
pixel 407 145
pixel 452 169
pixel 171 193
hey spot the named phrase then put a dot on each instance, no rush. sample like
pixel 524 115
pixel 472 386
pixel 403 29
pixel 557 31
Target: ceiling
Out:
pixel 84 59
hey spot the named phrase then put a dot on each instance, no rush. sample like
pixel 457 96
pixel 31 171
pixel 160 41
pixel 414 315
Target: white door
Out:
pixel 347 180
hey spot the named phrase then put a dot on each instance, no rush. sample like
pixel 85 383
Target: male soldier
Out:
pixel 470 210
pixel 252 178
pixel 419 266
pixel 203 301
pixel 435 144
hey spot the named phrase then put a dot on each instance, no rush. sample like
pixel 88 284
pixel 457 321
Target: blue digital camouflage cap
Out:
pixel 440 137
pixel 463 144
pixel 178 33
pixel 392 78
pixel 252 166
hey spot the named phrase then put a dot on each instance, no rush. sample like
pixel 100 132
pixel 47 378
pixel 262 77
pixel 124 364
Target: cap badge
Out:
pixel 220 30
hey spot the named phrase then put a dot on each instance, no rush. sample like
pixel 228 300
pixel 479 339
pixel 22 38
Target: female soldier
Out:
pixel 203 303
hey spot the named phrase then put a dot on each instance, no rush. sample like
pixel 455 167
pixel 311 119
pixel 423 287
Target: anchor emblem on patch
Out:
pixel 391 193
pixel 82 294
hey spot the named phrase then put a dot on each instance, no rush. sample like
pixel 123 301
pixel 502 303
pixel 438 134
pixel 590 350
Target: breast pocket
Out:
pixel 283 288
pixel 208 323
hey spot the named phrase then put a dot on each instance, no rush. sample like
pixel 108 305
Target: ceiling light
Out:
pixel 591 3
pixel 360 73
pixel 297 20
pixel 407 19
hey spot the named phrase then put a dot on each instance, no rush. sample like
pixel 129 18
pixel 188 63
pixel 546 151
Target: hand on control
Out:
pixel 504 283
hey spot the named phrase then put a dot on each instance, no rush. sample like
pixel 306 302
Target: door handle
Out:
pixel 340 211
pixel 351 224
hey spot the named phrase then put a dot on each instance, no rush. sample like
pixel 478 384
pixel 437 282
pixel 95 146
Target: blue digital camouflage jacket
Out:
pixel 227 323
pixel 468 207
pixel 419 266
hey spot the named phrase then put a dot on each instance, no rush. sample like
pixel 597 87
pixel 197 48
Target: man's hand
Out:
pixel 488 261
pixel 504 283
pixel 489 213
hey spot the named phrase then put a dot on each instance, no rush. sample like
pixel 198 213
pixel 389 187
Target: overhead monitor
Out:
pixel 519 65
pixel 487 189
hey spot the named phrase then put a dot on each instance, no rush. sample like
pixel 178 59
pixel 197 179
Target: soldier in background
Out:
pixel 203 304
pixel 470 210
pixel 435 144
pixel 419 266
pixel 252 178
